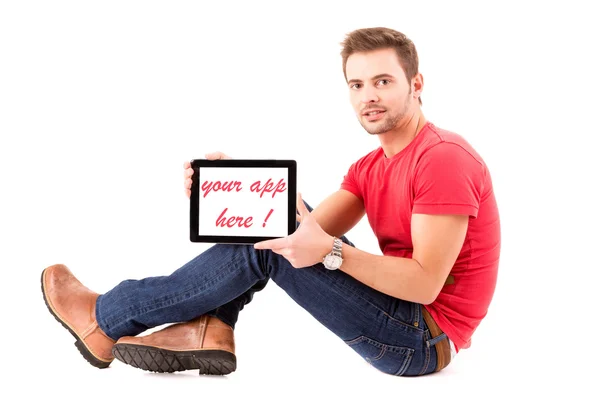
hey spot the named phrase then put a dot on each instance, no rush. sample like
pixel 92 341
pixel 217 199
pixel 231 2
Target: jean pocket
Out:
pixel 393 360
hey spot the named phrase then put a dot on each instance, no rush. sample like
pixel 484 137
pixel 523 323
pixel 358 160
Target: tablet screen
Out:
pixel 242 201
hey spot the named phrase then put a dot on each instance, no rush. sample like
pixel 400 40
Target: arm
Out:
pixel 437 240
pixel 339 213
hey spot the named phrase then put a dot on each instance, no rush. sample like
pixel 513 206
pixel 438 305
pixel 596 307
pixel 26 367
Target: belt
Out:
pixel 439 339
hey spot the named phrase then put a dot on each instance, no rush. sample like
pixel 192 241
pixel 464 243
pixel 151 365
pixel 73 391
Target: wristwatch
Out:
pixel 334 259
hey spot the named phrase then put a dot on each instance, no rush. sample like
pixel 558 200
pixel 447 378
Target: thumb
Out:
pixel 302 207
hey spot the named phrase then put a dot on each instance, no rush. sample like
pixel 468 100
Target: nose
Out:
pixel 368 95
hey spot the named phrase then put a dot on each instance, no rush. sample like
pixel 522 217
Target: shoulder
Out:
pixel 447 146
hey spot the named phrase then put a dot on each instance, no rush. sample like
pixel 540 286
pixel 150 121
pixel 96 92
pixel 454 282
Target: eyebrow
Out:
pixel 373 78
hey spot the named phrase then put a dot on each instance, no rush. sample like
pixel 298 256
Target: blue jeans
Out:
pixel 387 332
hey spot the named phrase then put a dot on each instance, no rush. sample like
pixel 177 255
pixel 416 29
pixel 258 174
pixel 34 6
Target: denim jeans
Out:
pixel 387 332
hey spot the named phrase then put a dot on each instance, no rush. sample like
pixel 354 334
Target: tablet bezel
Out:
pixel 243 163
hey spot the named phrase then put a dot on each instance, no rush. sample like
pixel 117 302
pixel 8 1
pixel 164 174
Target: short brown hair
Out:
pixel 368 39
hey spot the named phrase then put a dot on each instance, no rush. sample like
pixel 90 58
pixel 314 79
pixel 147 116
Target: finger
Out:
pixel 271 244
pixel 188 172
pixel 188 183
pixel 187 165
pixel 298 218
pixel 188 193
pixel 302 207
pixel 217 155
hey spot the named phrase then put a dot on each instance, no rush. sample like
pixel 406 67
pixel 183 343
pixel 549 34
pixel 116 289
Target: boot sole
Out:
pixel 148 358
pixel 80 344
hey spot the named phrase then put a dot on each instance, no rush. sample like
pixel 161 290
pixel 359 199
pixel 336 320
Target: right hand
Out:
pixel 188 171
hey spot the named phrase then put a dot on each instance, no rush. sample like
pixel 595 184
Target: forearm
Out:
pixel 403 278
pixel 338 213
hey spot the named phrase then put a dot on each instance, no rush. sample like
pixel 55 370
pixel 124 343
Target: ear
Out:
pixel 417 85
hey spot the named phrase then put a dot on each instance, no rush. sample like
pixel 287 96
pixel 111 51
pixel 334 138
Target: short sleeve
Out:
pixel 448 180
pixel 350 182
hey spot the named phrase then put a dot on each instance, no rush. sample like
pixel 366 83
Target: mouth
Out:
pixel 373 115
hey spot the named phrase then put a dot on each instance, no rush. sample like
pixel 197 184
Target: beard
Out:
pixel 389 122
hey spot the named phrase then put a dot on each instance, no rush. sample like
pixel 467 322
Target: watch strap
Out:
pixel 337 247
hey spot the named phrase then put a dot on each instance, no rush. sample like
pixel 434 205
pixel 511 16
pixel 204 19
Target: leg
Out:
pixel 185 283
pixel 228 313
pixel 388 332
pixel 221 275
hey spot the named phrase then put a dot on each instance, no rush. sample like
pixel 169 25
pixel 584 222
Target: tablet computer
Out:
pixel 242 201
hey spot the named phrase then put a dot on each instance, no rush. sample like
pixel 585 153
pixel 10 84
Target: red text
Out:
pixel 230 222
pixel 268 187
pixel 227 186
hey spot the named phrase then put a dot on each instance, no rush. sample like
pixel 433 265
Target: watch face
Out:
pixel 332 262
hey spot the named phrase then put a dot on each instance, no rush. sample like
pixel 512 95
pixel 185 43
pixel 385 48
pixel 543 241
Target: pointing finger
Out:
pixel 270 244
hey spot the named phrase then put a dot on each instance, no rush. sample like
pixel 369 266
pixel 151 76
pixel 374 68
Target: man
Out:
pixel 429 199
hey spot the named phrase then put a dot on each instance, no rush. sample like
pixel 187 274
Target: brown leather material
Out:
pixel 75 306
pixel 442 348
pixel 202 333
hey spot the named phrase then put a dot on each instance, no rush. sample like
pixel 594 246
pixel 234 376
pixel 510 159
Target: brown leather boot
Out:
pixel 205 343
pixel 74 306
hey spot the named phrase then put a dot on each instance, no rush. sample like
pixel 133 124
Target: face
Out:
pixel 379 92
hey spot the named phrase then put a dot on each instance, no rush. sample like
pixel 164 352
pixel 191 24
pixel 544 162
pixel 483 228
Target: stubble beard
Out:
pixel 389 122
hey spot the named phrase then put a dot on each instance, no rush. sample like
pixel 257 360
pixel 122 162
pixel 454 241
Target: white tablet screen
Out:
pixel 243 201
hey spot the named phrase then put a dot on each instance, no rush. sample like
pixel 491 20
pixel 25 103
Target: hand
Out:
pixel 305 247
pixel 188 171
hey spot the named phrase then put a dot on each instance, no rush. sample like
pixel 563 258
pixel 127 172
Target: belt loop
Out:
pixel 438 338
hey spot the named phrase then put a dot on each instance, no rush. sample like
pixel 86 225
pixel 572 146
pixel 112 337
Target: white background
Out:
pixel 101 103
pixel 248 202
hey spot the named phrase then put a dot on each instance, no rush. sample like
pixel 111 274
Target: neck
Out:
pixel 396 140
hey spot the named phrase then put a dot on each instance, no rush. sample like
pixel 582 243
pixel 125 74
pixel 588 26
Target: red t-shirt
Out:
pixel 437 173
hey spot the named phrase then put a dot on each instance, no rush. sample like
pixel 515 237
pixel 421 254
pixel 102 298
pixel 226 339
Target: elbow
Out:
pixel 430 296
pixel 432 286
pixel 427 300
pixel 424 297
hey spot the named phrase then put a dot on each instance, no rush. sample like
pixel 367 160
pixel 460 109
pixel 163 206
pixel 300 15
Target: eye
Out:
pixel 383 82
pixel 355 86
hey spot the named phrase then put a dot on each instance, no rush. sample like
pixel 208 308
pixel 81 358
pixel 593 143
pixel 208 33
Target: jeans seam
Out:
pixel 381 353
pixel 427 355
pixel 417 313
pixel 356 340
pixel 409 356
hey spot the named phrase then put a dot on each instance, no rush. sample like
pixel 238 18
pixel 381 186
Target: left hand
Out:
pixel 305 247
